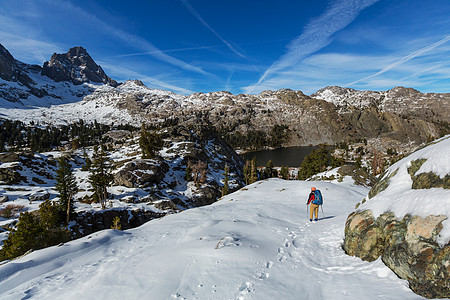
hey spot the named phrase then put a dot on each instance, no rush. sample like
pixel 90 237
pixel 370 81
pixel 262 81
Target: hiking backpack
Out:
pixel 317 198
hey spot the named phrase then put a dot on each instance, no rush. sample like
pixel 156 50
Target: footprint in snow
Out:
pixel 263 275
pixel 244 289
pixel 282 258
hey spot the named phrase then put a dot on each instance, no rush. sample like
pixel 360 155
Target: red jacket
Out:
pixel 310 198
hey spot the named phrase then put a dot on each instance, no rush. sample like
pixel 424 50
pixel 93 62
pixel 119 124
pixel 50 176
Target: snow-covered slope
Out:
pixel 253 244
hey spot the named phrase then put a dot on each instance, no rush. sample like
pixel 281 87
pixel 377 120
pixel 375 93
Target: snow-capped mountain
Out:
pixel 65 78
pixel 71 87
pixel 398 100
pixel 76 66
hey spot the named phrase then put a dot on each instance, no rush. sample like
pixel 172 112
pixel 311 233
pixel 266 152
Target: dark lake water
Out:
pixel 289 157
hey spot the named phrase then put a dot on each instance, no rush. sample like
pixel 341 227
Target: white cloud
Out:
pixel 405 59
pixel 23 38
pixel 28 50
pixel 427 73
pixel 317 34
pixel 199 17
pixel 18 27
pixel 122 72
pixel 165 51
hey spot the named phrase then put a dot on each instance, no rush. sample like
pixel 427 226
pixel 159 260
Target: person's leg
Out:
pixel 311 211
pixel 316 211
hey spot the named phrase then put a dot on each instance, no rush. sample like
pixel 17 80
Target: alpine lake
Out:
pixel 289 156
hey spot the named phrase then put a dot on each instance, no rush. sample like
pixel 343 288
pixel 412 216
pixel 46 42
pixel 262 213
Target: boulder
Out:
pixel 141 173
pixel 40 196
pixel 4 199
pixel 89 222
pixel 407 246
pixel 10 176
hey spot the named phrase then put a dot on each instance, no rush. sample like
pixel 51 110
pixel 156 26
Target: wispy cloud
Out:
pixel 130 39
pixel 317 33
pixel 122 72
pixel 405 59
pixel 22 38
pixel 199 17
pixel 429 72
pixel 165 51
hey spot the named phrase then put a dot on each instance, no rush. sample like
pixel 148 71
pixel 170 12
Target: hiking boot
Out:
pixel 316 219
pixel 310 220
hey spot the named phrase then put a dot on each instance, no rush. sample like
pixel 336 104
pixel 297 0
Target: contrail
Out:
pixel 404 59
pixel 317 33
pixel 197 15
pixel 165 51
pixel 136 41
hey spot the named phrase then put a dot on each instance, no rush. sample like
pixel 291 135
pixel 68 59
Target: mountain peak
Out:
pixel 76 66
pixel 7 64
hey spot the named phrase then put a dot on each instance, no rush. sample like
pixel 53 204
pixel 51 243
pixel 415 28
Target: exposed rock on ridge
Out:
pixel 398 100
pixel 16 71
pixel 400 116
pixel 76 66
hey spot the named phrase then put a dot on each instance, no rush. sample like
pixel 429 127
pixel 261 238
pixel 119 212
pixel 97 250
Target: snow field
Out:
pixel 253 244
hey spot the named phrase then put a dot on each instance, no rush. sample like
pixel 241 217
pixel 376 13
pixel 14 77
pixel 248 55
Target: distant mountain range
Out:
pixel 71 86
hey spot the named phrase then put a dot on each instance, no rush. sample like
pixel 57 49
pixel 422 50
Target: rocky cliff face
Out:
pixel 399 100
pixel 76 66
pixel 309 120
pixel 405 221
pixel 16 71
pixel 47 85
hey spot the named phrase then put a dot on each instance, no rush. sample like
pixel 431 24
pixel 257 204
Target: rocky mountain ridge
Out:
pixel 79 89
pixel 65 78
pixel 399 100
pixel 76 66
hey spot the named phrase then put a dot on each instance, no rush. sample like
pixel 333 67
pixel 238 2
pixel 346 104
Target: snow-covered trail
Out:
pixel 253 244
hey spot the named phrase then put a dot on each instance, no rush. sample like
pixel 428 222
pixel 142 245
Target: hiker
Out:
pixel 315 199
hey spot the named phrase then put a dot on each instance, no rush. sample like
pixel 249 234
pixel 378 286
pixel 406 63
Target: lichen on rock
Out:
pixel 407 246
pixel 382 184
pixel 426 180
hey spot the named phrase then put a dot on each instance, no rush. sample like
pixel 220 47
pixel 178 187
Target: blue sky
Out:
pixel 243 46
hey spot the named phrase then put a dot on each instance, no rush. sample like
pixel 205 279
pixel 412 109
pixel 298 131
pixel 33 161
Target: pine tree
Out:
pixel 188 174
pixel 268 170
pixel 150 143
pixel 35 231
pixel 87 162
pixel 116 223
pixel 284 172
pixel 66 186
pixel 247 171
pixel 100 177
pixel 225 187
pixel 254 171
